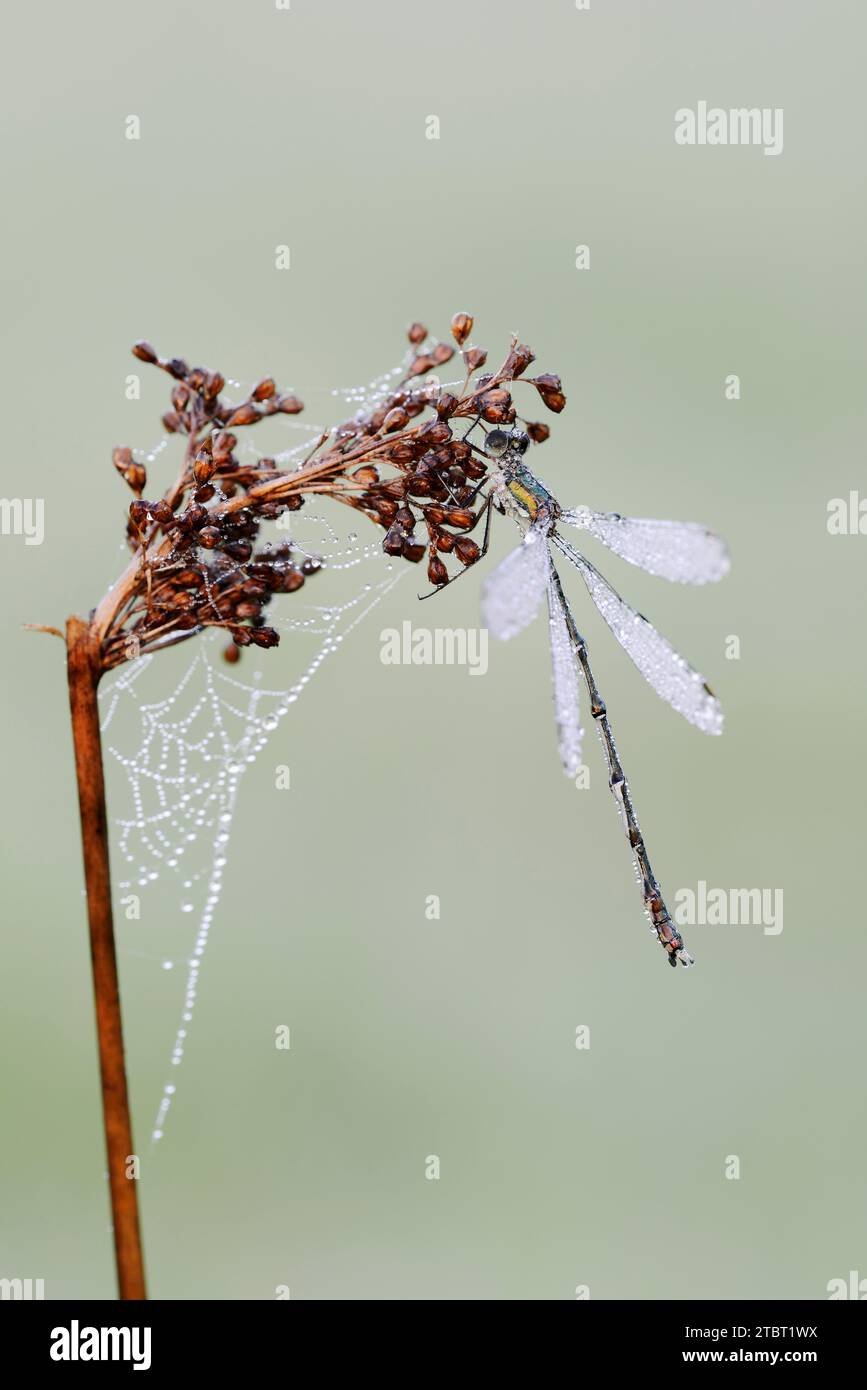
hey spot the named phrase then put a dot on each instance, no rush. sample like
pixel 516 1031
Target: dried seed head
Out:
pixel 264 390
pixel 446 405
pixel 232 653
pixel 551 390
pixel 222 443
pixel 436 571
pixel 519 358
pixel 462 327
pixel 420 364
pixel 459 517
pixel 244 415
pixel 204 467
pixel 396 419
pixel 265 636
pixel 537 432
pixel 443 352
pixel 416 333
pixel 290 405
pixel 144 352
pixel 136 476
pixel 475 358
pixel 496 406
pixel 466 550
pixel 413 549
pixel 394 539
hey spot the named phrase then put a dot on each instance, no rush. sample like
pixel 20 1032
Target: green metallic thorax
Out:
pixel 530 495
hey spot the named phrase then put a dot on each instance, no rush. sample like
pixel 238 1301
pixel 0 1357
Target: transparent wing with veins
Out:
pixel 567 711
pixel 512 594
pixel 682 551
pixel 673 679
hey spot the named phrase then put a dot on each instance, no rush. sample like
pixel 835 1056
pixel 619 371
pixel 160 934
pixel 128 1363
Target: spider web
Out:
pixel 183 755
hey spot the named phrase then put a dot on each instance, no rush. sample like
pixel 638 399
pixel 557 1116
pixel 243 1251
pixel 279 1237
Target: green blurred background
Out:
pixel 409 1038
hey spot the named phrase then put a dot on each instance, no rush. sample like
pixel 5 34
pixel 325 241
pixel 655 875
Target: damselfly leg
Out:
pixel 485 512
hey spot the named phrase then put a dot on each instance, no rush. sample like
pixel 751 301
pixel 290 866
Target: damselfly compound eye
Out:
pixel 520 441
pixel 496 443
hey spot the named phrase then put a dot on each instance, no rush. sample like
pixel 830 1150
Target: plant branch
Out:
pixel 84 670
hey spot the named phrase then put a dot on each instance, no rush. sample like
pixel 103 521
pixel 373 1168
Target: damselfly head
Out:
pixel 500 442
pixel 497 443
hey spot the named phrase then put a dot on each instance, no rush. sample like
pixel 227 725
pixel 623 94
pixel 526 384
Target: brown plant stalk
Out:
pixel 194 564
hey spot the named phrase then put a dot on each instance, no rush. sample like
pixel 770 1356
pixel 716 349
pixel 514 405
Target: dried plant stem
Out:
pixel 84 671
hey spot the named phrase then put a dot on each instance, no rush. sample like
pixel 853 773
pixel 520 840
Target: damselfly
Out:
pixel 512 595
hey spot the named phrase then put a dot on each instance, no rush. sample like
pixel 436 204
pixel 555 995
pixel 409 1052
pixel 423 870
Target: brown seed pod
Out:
pixel 537 431
pixel 144 352
pixel 419 365
pixel 436 571
pixel 459 517
pixel 446 405
pixel 416 333
pixel 232 653
pixel 290 581
pixel 466 550
pixel 264 389
pixel 550 388
pixel 519 358
pixel 475 358
pixel 290 405
pixel 396 419
pixel 462 327
pixel 435 432
pixel 204 467
pixel 495 406
pixel 244 415
pixel 413 549
pixel 222 443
